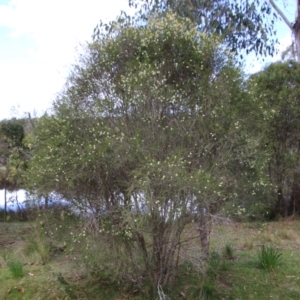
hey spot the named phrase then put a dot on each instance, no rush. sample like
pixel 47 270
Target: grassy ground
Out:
pixel 234 271
pixel 243 279
pixel 54 273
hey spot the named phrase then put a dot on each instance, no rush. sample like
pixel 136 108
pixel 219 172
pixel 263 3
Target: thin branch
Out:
pixel 30 120
pixel 284 18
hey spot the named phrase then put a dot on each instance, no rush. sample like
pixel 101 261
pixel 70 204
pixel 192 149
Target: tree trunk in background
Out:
pixel 294 206
pixel 204 231
pixel 295 193
pixel 296 31
pixel 294 27
pixel 5 205
pixel 46 201
pixel 279 203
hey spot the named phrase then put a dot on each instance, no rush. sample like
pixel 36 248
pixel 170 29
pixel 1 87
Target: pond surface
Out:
pixel 13 198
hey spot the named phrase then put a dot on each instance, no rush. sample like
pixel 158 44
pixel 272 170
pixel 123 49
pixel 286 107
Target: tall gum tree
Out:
pixel 243 25
pixel 293 26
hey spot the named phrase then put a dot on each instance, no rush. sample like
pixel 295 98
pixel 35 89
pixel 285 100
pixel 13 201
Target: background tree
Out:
pixel 245 26
pixel 294 27
pixel 276 93
pixel 12 160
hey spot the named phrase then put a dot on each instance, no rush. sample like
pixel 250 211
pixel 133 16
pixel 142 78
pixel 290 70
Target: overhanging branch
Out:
pixel 284 18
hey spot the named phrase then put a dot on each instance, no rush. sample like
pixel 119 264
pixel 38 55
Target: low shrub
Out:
pixel 228 252
pixel 16 268
pixel 269 258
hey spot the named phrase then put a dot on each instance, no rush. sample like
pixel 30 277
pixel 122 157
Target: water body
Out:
pixel 21 200
pixel 14 199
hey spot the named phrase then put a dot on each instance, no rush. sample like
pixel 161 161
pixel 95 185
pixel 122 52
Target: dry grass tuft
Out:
pixel 286 234
pixel 248 245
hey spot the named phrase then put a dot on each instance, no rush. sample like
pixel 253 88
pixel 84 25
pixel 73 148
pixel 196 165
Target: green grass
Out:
pixel 16 268
pixel 228 252
pixel 246 279
pixel 234 266
pixel 269 258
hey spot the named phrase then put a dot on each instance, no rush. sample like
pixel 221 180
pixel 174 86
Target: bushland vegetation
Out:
pixel 157 138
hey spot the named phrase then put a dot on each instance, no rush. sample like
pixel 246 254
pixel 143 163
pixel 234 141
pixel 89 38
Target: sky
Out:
pixel 40 39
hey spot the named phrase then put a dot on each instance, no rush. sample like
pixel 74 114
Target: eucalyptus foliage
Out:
pixel 245 26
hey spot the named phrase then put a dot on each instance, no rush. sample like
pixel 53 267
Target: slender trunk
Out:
pixel 204 233
pixel 46 201
pixel 286 208
pixel 297 42
pixel 5 204
pixel 19 207
pixel 279 203
pixel 294 27
pixel 296 31
pixel 295 194
pixel 279 150
pixel 31 121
